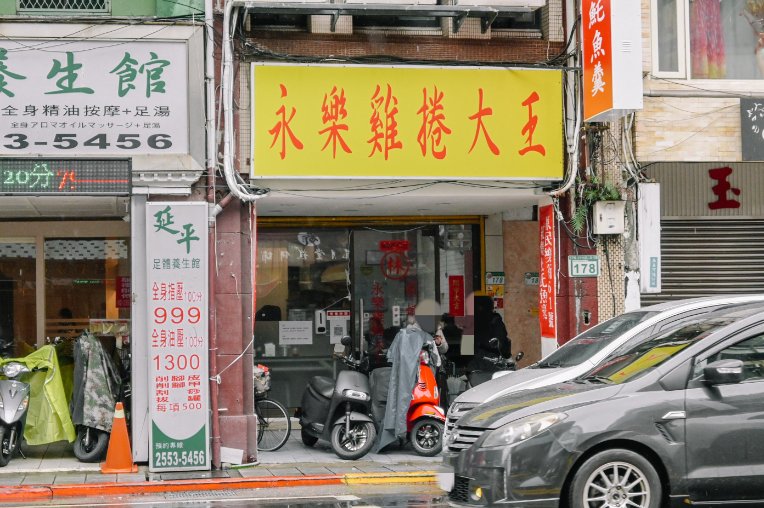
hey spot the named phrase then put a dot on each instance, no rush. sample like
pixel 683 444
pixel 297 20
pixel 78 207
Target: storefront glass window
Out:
pixel 17 297
pixel 314 286
pixel 85 279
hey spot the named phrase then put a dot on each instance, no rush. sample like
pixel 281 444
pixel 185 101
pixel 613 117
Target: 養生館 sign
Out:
pixel 94 97
pixel 380 122
pixel 176 255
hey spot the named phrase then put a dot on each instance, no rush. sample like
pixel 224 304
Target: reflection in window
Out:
pixel 17 297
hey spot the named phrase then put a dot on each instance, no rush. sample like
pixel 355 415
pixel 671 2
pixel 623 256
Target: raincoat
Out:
pixel 96 384
pixel 404 356
pixel 48 417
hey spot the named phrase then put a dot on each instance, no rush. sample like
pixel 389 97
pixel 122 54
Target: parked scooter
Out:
pixel 339 412
pixel 425 419
pixel 502 366
pixel 14 402
pixel 96 390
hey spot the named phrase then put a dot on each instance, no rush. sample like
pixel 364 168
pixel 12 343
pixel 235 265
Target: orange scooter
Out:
pixel 425 419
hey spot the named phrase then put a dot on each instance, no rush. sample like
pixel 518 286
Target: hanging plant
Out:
pixel 589 192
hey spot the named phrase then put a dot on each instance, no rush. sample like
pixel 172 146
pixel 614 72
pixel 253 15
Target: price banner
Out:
pixel 177 333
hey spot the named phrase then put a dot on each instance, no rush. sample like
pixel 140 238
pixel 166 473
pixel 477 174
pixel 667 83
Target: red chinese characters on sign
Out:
pixel 433 124
pixel 722 189
pixel 480 127
pixel 456 295
pixel 282 130
pixel 530 126
pixel 124 293
pixel 394 263
pixel 333 113
pixel 383 122
pixel 547 282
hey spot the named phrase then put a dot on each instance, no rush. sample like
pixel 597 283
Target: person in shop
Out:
pixel 448 338
pixel 488 325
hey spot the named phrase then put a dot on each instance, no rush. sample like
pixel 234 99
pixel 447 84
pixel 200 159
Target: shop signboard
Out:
pixel 40 177
pixel 176 255
pixel 93 97
pixel 583 266
pixel 752 128
pixel 313 121
pixel 547 280
pixel 456 295
pixel 494 286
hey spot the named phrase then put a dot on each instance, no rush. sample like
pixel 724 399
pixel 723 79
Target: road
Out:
pixel 361 496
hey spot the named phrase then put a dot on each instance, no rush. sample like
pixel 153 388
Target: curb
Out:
pixel 49 492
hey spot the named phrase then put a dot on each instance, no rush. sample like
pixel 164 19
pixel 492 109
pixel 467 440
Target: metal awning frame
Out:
pixel 458 13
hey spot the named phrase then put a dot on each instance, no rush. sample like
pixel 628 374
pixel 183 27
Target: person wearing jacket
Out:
pixel 488 325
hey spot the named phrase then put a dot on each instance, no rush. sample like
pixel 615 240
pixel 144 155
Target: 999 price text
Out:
pixel 100 141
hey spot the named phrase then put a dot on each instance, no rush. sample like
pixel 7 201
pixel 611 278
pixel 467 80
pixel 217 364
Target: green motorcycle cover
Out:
pixel 48 417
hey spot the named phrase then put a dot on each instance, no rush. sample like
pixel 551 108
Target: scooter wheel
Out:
pixel 91 444
pixel 427 437
pixel 307 439
pixel 356 443
pixel 7 448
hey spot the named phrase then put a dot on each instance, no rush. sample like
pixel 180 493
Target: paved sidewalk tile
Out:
pixel 67 478
pixel 100 478
pixel 287 471
pixel 11 479
pixel 313 470
pixel 255 472
pixel 377 468
pixel 38 479
pixel 131 477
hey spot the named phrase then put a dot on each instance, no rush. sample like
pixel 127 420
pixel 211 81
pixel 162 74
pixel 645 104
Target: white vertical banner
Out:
pixel 176 258
pixel 649 235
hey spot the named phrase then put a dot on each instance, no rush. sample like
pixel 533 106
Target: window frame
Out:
pixel 683 35
pixel 43 11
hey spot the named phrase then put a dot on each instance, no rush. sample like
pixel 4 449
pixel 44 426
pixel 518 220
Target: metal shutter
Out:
pixel 710 257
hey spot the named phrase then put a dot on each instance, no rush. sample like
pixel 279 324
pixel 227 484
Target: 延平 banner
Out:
pixel 176 255
pixel 314 121
pixel 547 272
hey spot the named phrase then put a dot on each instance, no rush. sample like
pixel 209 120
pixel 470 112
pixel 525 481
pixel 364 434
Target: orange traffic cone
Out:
pixel 119 457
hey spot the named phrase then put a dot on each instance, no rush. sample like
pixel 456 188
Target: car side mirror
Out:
pixel 723 372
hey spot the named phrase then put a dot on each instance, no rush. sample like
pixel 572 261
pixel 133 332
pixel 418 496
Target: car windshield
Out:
pixel 588 343
pixel 631 361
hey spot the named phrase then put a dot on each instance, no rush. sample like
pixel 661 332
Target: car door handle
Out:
pixel 675 415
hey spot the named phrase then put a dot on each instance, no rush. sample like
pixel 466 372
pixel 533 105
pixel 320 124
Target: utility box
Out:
pixel 609 217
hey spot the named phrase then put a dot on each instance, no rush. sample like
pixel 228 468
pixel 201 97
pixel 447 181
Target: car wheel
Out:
pixel 616 479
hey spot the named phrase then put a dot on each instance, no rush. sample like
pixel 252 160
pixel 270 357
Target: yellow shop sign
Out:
pixel 325 121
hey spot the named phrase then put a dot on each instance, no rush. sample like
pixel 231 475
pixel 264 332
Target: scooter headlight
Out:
pixel 355 394
pixel 24 404
pixel 13 369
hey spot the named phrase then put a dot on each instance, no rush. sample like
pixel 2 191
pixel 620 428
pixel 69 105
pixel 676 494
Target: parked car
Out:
pixel 674 418
pixel 587 349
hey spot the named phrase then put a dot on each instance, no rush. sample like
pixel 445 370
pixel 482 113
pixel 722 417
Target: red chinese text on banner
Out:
pixel 124 293
pixel 456 295
pixel 547 282
pixel 597 57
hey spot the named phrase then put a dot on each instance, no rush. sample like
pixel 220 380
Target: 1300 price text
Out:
pixel 100 141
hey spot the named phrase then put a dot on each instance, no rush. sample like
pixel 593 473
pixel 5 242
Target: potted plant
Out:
pixel 589 192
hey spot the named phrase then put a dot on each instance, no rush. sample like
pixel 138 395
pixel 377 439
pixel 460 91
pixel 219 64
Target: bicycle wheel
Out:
pixel 273 425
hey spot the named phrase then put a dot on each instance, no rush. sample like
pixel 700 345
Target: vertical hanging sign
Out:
pixel 176 253
pixel 456 295
pixel 547 282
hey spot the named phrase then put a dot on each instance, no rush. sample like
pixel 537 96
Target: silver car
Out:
pixel 587 349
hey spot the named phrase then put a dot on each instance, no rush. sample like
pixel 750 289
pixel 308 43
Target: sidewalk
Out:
pixel 53 472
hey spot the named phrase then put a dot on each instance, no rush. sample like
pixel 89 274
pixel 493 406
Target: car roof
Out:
pixel 704 301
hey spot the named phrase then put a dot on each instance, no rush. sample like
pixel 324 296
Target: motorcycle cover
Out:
pixel 48 417
pixel 404 356
pixel 96 384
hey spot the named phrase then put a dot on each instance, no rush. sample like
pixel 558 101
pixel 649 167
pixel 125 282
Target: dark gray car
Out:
pixel 677 418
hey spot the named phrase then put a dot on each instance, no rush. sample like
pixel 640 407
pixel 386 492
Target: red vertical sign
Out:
pixel 124 293
pixel 547 282
pixel 596 36
pixel 456 295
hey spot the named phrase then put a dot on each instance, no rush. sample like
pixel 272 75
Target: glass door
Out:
pixel 394 276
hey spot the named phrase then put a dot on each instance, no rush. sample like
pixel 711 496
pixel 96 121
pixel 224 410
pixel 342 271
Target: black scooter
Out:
pixel 339 412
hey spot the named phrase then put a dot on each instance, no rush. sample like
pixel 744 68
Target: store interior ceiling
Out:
pixel 319 198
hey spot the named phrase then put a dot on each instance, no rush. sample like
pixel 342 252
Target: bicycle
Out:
pixel 273 422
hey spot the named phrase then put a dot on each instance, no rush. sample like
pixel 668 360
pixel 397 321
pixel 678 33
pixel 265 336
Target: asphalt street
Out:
pixel 330 496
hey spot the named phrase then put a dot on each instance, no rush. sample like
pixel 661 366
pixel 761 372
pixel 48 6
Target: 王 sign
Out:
pixel 328 121
pixel 93 97
pixel 176 256
pixel 612 58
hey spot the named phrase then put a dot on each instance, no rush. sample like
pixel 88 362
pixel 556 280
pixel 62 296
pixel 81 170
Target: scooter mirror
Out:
pixel 13 369
pixel 346 340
